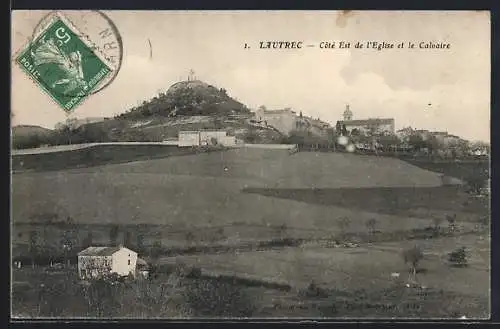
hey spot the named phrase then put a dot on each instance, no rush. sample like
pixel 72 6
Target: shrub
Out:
pixel 413 256
pixel 214 298
pixel 189 236
pixel 437 223
pixel 451 219
pixel 475 184
pixel 313 290
pixel 370 224
pixel 458 257
pixel 344 223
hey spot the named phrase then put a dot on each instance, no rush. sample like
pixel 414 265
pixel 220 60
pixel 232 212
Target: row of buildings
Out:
pixel 286 120
pixel 367 126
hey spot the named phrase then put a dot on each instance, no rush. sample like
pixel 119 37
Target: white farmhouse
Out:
pixel 97 261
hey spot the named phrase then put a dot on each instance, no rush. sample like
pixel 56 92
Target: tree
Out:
pixel 451 219
pixel 216 298
pixel 127 240
pixel 251 136
pixel 432 144
pixel 102 297
pixel 416 142
pixel 281 230
pixel 156 251
pixel 53 297
pixel 475 183
pixel 344 130
pixel 190 236
pixel 372 128
pixel 68 243
pixel 87 242
pixel 413 256
pixel 113 234
pixel 458 257
pixel 388 142
pixel 437 223
pixel 64 131
pixel 338 128
pixel 140 241
pixel 343 223
pixel 33 247
pixel 370 224
pixel 355 132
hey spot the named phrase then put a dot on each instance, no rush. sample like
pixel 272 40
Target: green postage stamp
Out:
pixel 63 65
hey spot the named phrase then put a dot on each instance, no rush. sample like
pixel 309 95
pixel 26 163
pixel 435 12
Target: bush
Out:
pixel 413 256
pixel 214 298
pixel 458 257
pixel 371 224
pixel 313 290
pixel 475 184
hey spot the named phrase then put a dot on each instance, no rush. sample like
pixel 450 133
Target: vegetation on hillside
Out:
pixel 25 136
pixel 165 115
pixel 187 98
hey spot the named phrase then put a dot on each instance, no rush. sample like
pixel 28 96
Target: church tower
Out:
pixel 347 113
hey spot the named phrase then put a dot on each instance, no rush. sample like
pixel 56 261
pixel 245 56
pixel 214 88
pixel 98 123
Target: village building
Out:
pixel 285 121
pixel 205 137
pixel 95 262
pixel 367 126
pixel 315 126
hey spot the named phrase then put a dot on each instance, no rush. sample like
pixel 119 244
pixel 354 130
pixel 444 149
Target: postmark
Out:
pixel 73 55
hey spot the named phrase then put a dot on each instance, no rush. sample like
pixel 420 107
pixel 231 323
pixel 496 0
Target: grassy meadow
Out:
pixel 249 196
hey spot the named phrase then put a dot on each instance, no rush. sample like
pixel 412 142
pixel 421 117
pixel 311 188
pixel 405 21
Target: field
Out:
pixel 246 197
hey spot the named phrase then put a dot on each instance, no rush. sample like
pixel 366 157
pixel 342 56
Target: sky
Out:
pixel 435 89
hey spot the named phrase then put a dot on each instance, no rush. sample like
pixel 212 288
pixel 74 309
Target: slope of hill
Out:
pixel 188 98
pixel 187 105
pixel 27 136
pixel 27 130
pixel 186 187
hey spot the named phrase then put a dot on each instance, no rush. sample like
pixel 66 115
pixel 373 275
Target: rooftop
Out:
pixel 99 251
pixel 278 111
pixel 367 121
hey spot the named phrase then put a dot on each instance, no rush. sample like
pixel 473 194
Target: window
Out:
pixel 129 261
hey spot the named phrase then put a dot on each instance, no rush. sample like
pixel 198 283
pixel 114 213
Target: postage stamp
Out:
pixel 63 64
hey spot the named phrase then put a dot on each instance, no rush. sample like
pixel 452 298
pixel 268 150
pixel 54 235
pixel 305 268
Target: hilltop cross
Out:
pixel 191 76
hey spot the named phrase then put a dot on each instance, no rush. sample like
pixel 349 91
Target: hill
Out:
pixel 27 130
pixel 26 136
pixel 187 105
pixel 258 185
pixel 188 98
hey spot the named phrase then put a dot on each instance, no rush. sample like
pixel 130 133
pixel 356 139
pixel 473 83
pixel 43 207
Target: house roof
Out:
pixel 278 111
pixel 99 251
pixel 366 122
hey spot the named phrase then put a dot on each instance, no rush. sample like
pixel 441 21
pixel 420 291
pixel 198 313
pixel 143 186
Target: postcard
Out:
pixel 250 164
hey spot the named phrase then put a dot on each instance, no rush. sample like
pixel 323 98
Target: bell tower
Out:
pixel 347 113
